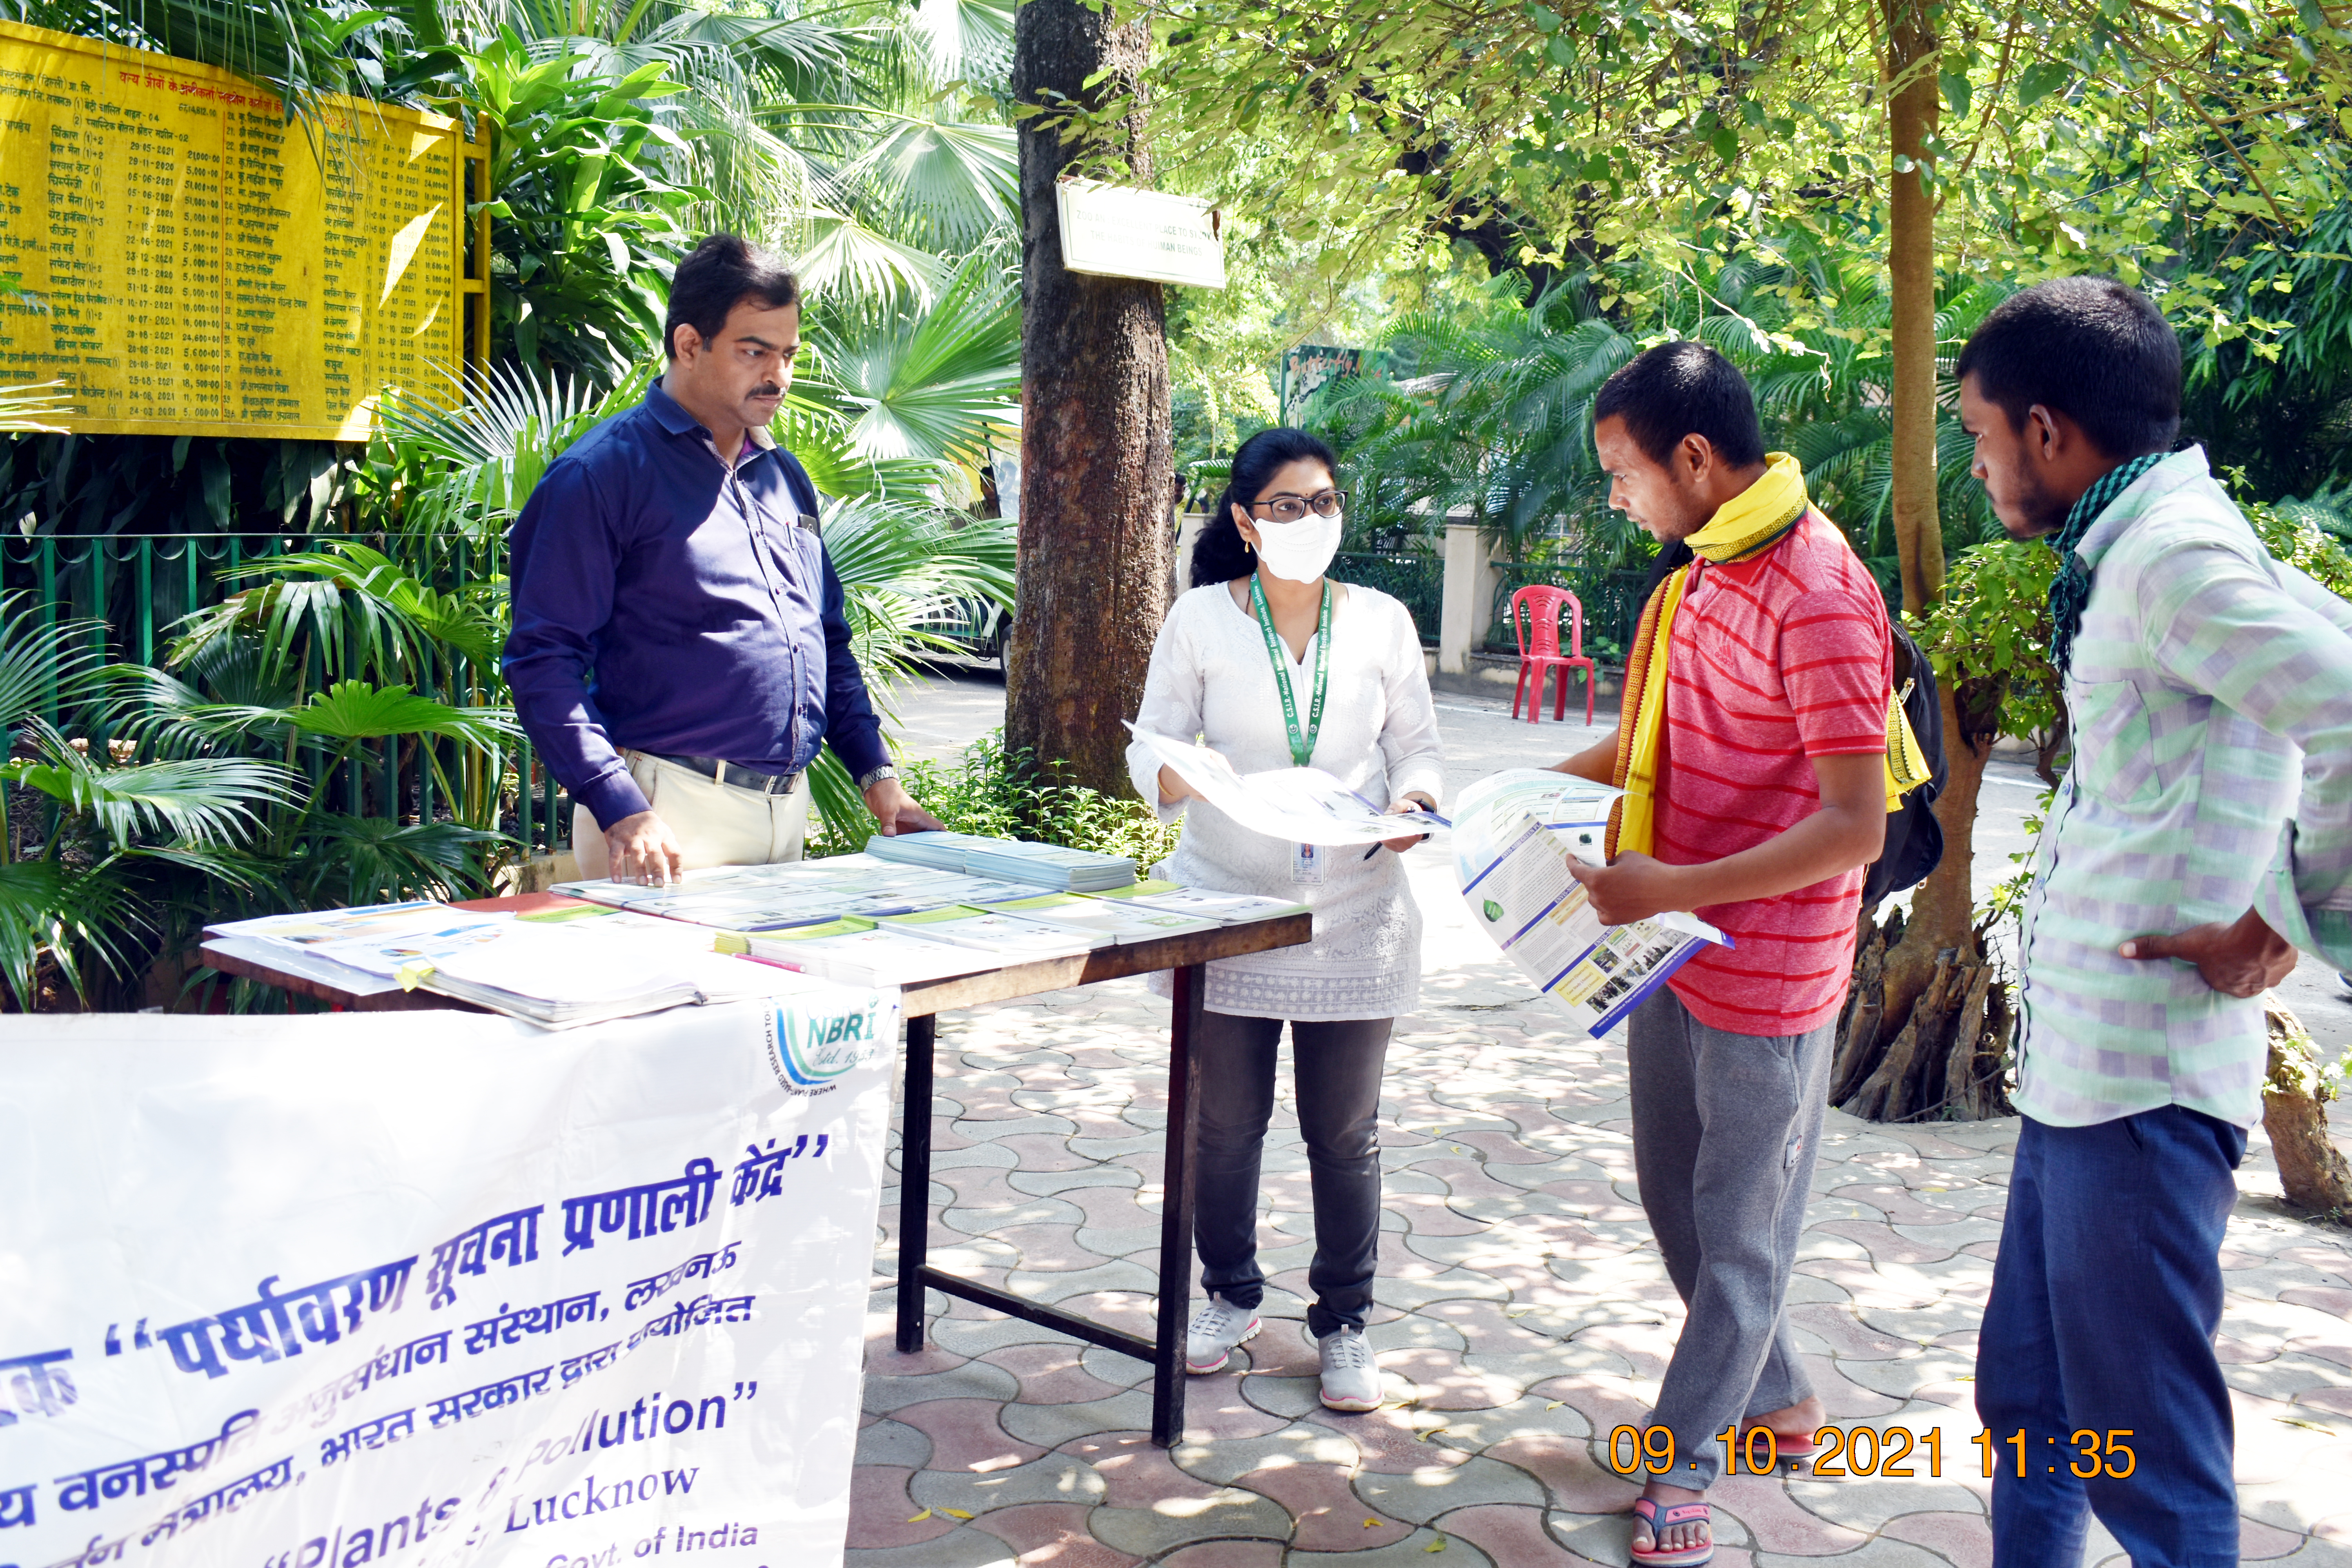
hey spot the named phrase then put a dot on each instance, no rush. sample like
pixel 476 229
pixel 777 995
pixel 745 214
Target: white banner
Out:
pixel 434 1289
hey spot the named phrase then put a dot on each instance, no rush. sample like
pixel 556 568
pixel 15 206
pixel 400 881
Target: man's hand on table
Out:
pixel 643 852
pixel 895 810
pixel 2244 958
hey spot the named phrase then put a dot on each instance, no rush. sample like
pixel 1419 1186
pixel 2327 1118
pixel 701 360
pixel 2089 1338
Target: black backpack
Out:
pixel 1914 839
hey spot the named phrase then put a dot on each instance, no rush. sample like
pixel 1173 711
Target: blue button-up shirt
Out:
pixel 667 601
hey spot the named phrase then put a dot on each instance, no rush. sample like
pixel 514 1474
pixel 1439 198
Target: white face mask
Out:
pixel 1299 552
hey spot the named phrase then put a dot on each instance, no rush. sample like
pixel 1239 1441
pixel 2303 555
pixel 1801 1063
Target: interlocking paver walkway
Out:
pixel 1524 1312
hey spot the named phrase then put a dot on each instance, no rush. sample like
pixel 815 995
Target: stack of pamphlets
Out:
pixel 1123 921
pixel 1515 835
pixel 556 969
pixel 561 976
pixel 1008 939
pixel 1020 860
pixel 856 951
pixel 941 851
pixel 1051 865
pixel 1206 904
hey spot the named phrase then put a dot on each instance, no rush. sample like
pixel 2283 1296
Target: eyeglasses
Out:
pixel 1290 509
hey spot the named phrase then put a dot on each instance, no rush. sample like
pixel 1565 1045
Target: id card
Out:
pixel 1306 863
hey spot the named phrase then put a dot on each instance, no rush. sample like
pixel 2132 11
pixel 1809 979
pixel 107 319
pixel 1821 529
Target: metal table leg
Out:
pixel 915 1180
pixel 1181 1139
pixel 1165 1349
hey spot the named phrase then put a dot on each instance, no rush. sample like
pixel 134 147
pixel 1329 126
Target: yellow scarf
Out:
pixel 1743 528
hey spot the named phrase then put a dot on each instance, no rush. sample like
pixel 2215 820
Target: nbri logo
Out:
pixel 812 1051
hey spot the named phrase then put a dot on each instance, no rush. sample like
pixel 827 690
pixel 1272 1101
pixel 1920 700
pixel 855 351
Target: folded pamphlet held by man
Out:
pixel 1303 805
pixel 1515 834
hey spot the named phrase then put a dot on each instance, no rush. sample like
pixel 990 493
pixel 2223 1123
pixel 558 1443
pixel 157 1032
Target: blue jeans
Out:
pixel 2104 1299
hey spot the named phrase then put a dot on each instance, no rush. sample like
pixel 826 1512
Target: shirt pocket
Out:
pixel 2115 751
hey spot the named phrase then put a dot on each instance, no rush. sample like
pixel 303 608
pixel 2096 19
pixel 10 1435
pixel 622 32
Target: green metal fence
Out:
pixel 1417 579
pixel 139 585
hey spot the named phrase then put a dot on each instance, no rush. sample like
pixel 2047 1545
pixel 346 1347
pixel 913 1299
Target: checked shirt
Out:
pixel 2210 695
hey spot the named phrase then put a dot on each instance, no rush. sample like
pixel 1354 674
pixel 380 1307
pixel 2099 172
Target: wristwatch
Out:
pixel 868 779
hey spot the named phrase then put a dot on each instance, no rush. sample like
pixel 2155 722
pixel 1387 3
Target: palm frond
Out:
pixel 842 255
pixel 488 455
pixel 25 410
pixel 355 710
pixel 46 668
pixel 198 800
pixel 965 41
pixel 946 181
pixel 48 911
pixel 931 384
pixel 361 860
pixel 377 590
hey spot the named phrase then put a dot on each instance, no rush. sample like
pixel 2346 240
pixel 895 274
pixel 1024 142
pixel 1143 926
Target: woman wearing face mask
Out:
pixel 1269 662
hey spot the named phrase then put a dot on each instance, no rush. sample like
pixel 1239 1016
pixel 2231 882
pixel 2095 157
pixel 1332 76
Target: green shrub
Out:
pixel 987 791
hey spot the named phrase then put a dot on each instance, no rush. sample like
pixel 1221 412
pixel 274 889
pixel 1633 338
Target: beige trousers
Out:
pixel 714 823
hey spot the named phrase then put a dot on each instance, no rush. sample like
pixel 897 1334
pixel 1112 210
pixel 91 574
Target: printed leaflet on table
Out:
pixel 1122 920
pixel 1009 938
pixel 854 952
pixel 1515 833
pixel 380 940
pixel 1208 903
pixel 1302 805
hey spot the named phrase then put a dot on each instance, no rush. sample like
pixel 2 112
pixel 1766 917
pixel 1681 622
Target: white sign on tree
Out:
pixel 1111 231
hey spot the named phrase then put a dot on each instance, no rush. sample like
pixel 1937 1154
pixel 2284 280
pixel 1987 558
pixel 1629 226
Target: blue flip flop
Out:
pixel 1674 1514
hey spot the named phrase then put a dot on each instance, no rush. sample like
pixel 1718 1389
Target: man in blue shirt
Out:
pixel 679 649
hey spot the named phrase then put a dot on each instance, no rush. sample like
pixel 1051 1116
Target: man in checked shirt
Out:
pixel 2203 833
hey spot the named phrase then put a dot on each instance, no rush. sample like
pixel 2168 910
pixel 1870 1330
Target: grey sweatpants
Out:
pixel 1725 1129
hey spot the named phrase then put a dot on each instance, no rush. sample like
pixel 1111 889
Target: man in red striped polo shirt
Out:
pixel 1766 771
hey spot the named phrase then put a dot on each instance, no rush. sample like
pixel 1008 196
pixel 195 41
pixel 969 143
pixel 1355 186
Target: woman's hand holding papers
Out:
pixel 1416 801
pixel 1172 787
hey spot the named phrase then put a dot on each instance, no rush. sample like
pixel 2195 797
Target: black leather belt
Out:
pixel 733 773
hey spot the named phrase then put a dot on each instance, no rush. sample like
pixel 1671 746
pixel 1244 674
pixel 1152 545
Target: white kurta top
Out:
pixel 1210 680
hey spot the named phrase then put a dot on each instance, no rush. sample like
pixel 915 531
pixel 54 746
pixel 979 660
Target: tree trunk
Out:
pixel 1097 465
pixel 2311 1170
pixel 1925 987
pixel 1911 113
pixel 1943 909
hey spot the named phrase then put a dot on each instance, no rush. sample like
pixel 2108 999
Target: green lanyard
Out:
pixel 1301 747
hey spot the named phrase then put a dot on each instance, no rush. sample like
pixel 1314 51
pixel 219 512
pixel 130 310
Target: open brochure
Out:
pixel 558 970
pixel 1515 835
pixel 1302 805
pixel 377 940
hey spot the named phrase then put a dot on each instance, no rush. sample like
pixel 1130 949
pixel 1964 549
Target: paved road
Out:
pixel 939 716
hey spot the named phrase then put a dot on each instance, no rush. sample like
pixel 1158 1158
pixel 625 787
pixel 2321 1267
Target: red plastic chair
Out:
pixel 1541 627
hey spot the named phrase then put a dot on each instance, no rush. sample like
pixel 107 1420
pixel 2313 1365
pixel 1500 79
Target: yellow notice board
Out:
pixel 186 261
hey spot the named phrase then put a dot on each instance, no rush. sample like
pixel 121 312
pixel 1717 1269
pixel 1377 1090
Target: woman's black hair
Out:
pixel 1220 554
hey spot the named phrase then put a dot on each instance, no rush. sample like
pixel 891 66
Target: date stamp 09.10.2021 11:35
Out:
pixel 1896 1452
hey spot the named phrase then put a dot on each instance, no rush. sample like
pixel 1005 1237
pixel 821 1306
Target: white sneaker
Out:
pixel 1351 1379
pixel 1216 1330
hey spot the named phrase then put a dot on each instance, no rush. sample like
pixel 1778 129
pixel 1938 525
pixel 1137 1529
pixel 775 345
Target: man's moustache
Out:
pixel 769 392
